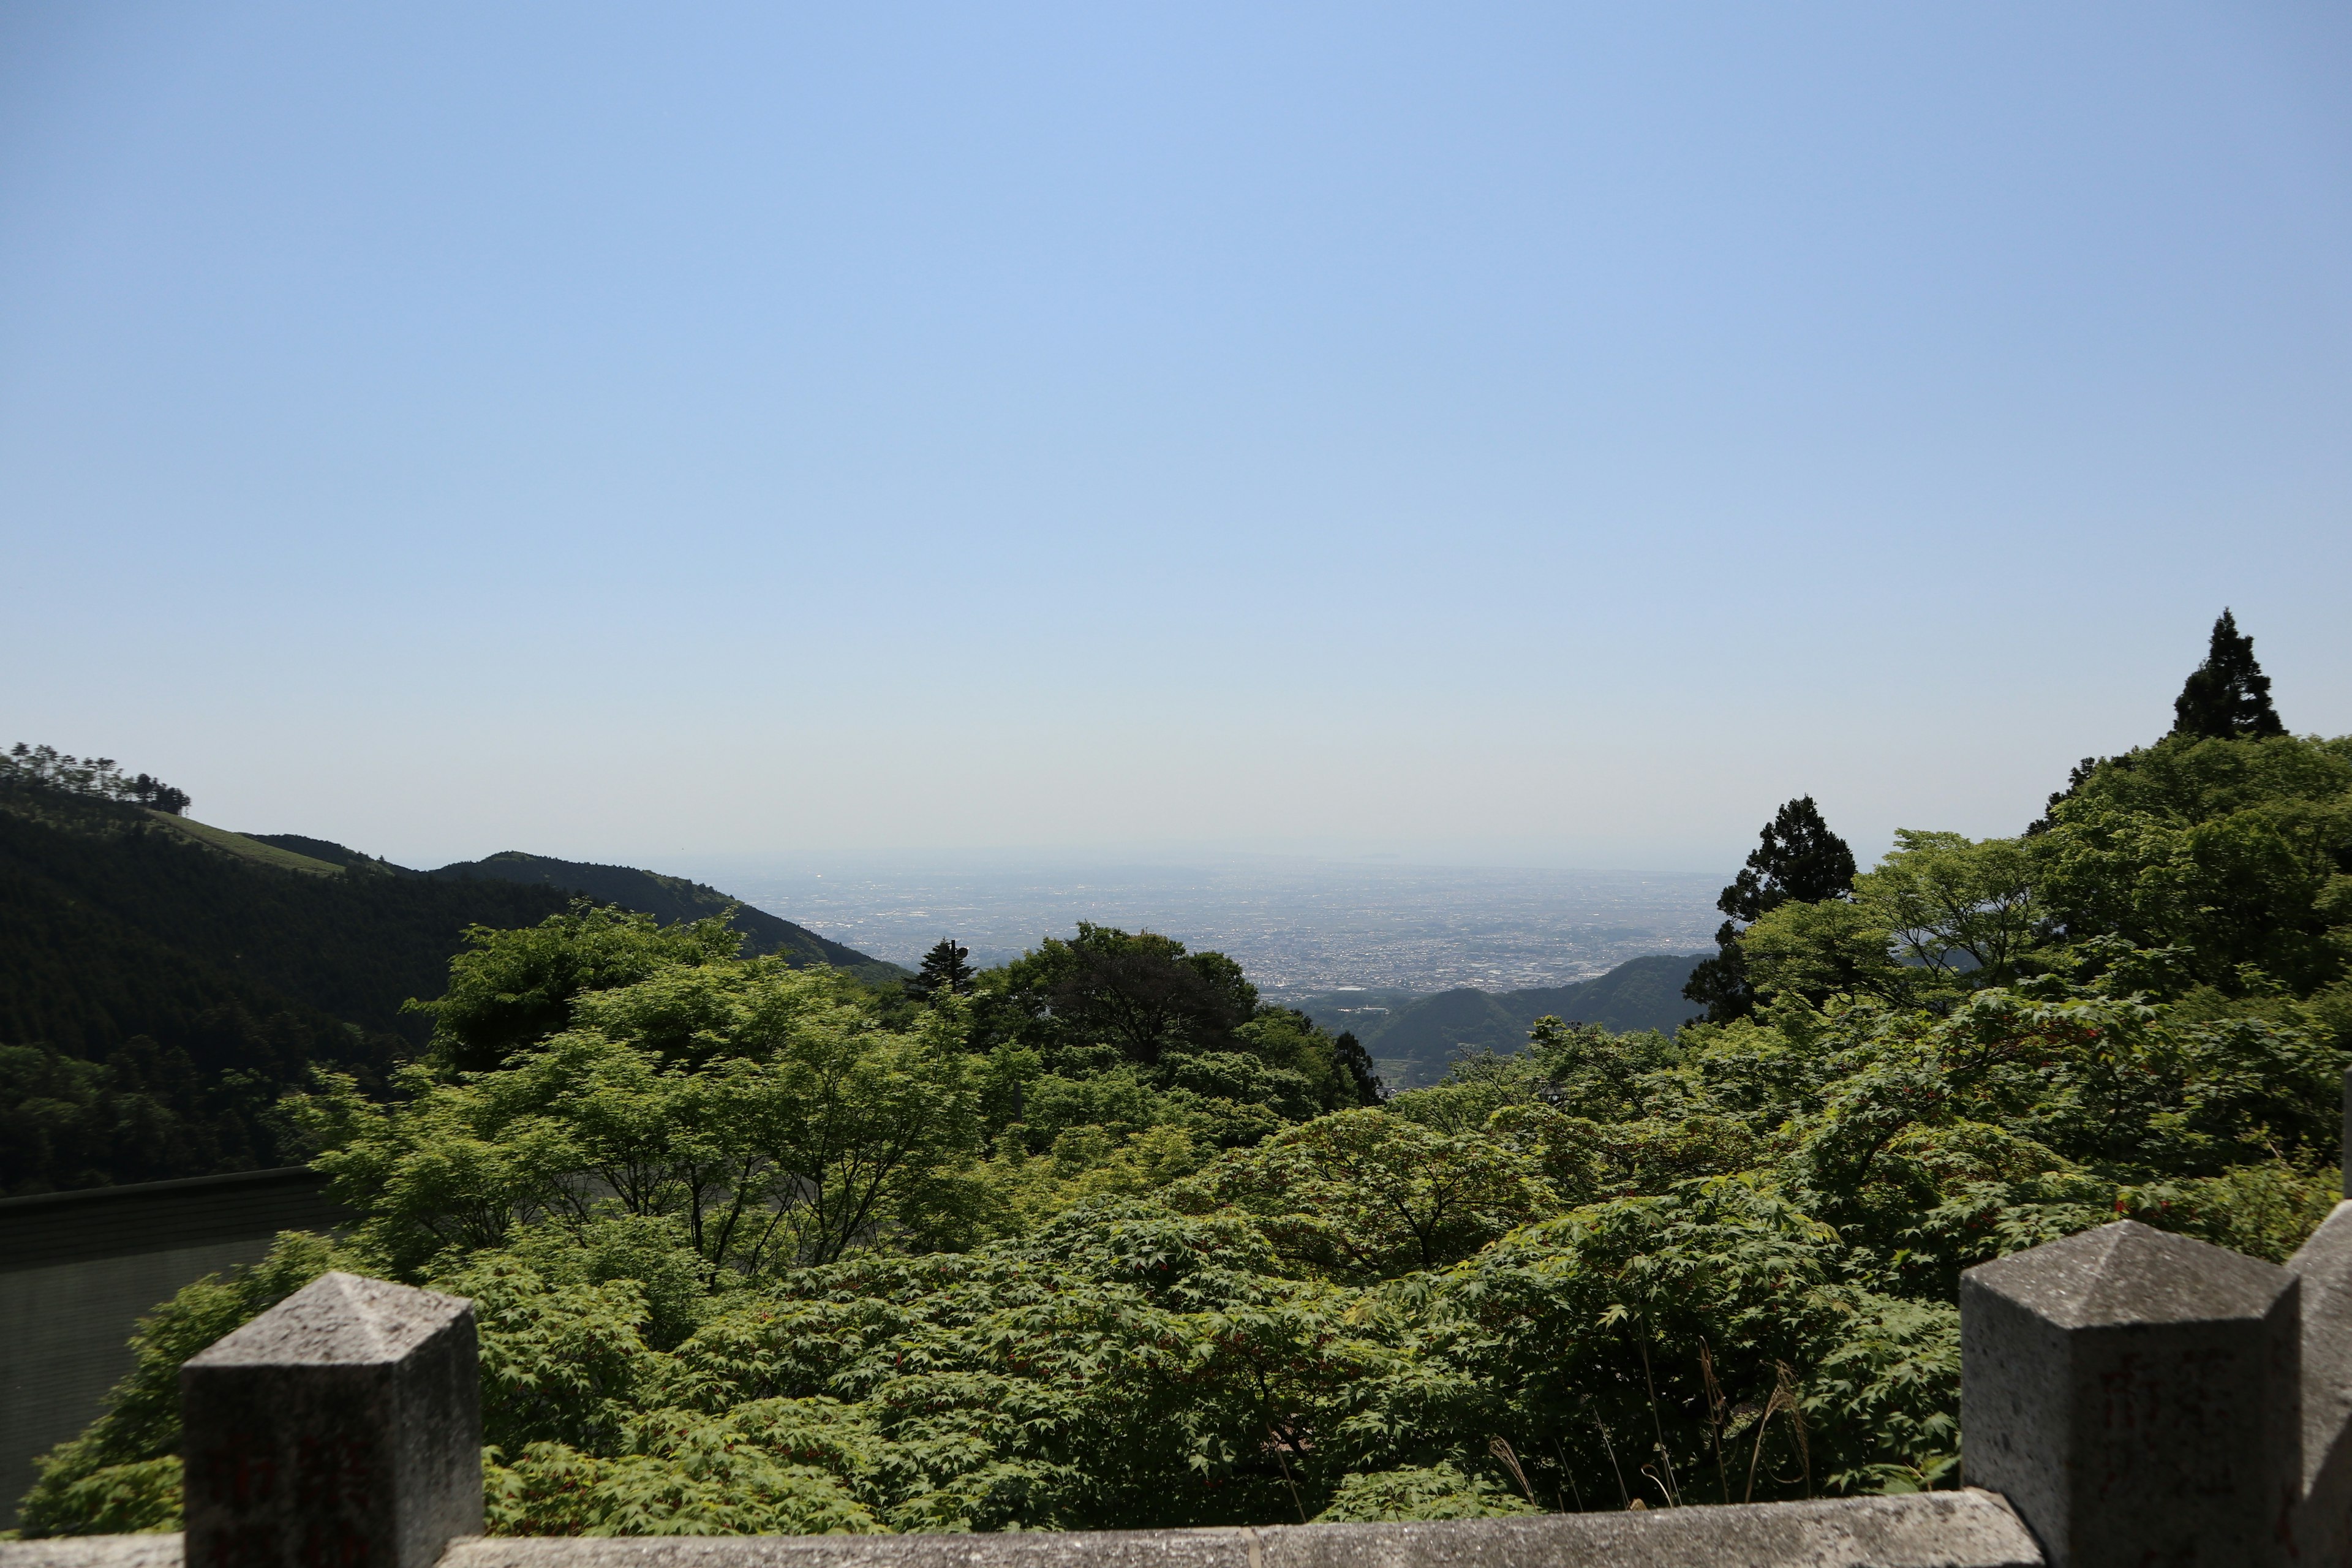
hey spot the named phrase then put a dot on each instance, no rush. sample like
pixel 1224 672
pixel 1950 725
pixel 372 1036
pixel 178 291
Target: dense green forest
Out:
pixel 163 983
pixel 1099 1238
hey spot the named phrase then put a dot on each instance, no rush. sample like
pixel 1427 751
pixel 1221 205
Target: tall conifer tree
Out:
pixel 2228 695
pixel 1796 860
pixel 944 969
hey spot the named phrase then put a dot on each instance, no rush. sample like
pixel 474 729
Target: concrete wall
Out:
pixel 79 1270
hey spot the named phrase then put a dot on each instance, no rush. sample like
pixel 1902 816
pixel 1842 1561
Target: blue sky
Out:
pixel 1505 433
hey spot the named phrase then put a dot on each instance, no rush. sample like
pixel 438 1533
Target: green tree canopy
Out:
pixel 944 971
pixel 1797 858
pixel 512 989
pixel 1142 994
pixel 2238 853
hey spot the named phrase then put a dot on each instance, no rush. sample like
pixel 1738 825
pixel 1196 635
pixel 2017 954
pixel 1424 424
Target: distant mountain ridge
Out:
pixel 1418 1036
pixel 674 899
pixel 667 899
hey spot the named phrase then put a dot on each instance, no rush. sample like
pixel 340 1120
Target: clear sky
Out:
pixel 1504 433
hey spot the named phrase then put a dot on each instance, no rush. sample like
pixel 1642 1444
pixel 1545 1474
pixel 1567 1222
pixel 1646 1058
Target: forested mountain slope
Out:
pixel 260 850
pixel 157 993
pixel 674 899
pixel 352 948
pixel 667 898
pixel 161 981
pixel 1417 1039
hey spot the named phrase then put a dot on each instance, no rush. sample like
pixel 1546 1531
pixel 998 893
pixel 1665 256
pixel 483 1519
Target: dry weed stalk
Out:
pixel 1501 1449
pixel 1715 1401
pixel 1785 1399
pixel 1657 1424
pixel 1610 1448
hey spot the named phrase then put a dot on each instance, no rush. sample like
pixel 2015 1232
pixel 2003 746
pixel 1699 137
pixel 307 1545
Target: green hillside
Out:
pixel 161 983
pixel 1414 1039
pixel 674 899
pixel 245 847
pixel 328 852
pixel 667 899
pixel 162 980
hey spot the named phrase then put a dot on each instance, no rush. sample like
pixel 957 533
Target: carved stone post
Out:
pixel 2136 1396
pixel 2322 1526
pixel 2344 1156
pixel 343 1429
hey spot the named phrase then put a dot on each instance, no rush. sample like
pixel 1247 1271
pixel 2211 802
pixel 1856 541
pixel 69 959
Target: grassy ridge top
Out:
pixel 244 847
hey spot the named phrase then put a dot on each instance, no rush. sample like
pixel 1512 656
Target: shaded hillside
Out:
pixel 353 948
pixel 1416 1038
pixel 159 989
pixel 162 980
pixel 328 851
pixel 1639 994
pixel 670 899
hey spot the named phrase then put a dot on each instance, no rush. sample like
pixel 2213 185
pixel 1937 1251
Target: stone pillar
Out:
pixel 2322 1526
pixel 2344 1153
pixel 343 1429
pixel 2136 1396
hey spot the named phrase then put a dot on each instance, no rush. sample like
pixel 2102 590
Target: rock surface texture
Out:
pixel 1936 1530
pixel 340 1429
pixel 2136 1396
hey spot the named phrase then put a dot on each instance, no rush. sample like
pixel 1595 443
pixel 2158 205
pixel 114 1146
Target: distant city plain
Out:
pixel 1296 926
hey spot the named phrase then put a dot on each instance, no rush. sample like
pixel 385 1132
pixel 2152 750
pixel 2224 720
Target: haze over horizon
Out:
pixel 1520 437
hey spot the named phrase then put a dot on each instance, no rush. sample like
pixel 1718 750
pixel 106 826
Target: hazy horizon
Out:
pixel 1296 926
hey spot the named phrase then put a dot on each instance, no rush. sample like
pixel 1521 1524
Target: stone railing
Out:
pixel 2128 1397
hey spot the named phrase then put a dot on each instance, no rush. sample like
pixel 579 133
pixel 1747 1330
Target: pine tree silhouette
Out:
pixel 2228 695
pixel 1796 859
pixel 944 968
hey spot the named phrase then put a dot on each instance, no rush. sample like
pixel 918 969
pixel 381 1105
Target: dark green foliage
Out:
pixel 194 987
pixel 46 769
pixel 1181 1035
pixel 1142 994
pixel 1639 994
pixel 2237 853
pixel 1111 1243
pixel 1797 860
pixel 352 948
pixel 511 990
pixel 1707 1269
pixel 156 996
pixel 1421 1035
pixel 1356 1063
pixel 944 973
pixel 334 854
pixel 2076 776
pixel 1720 984
pixel 148 1113
pixel 2228 695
